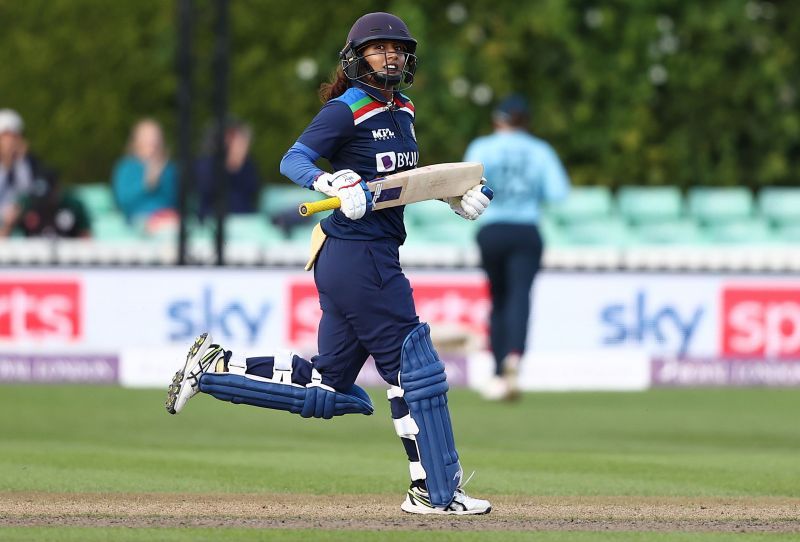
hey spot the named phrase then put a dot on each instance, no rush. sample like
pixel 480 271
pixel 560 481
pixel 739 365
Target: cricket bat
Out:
pixel 429 182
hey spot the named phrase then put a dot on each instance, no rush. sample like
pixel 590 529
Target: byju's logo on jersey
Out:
pixel 406 160
pixel 389 161
pixel 382 134
pixel 385 161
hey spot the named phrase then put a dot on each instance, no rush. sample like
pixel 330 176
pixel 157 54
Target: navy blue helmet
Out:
pixel 373 27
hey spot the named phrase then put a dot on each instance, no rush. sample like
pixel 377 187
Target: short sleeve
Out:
pixel 557 181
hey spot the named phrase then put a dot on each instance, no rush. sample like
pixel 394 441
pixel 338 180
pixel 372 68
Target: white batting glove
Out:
pixel 348 186
pixel 473 203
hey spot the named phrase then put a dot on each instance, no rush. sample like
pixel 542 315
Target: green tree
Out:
pixel 628 92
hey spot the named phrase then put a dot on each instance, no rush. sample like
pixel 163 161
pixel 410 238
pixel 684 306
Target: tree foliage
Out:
pixel 660 92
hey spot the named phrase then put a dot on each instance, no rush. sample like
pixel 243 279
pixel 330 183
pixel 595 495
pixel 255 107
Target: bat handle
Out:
pixel 312 207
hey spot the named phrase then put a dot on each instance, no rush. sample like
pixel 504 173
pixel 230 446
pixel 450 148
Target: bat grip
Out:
pixel 312 207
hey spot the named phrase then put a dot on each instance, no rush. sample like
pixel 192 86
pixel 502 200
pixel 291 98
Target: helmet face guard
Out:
pixel 379 27
pixel 357 68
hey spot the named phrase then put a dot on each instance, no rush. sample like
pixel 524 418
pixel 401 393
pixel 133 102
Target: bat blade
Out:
pixel 425 183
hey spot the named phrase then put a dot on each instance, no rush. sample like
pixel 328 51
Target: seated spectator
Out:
pixel 145 181
pixel 18 169
pixel 243 179
pixel 50 211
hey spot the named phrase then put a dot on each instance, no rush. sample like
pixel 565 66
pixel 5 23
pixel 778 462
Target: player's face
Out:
pixel 386 57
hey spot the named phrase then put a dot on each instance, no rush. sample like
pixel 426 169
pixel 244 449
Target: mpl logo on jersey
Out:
pixel 47 309
pixel 382 134
pixel 454 303
pixel 761 322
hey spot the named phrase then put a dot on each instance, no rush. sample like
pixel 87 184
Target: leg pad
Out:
pixel 424 385
pixel 312 401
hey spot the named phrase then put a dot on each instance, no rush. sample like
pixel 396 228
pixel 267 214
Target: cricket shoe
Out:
pixel 496 389
pixel 186 382
pixel 417 502
pixel 511 366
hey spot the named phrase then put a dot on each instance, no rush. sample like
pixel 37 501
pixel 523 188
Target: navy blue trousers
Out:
pixel 367 308
pixel 511 255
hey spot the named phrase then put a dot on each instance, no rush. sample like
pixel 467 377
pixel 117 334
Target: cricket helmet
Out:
pixel 372 27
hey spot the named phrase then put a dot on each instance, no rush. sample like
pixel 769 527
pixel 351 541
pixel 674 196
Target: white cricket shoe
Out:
pixel 185 383
pixel 511 367
pixel 496 389
pixel 417 502
pixel 505 387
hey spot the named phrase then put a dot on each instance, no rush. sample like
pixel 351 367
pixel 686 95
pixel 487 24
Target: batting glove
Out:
pixel 351 190
pixel 473 203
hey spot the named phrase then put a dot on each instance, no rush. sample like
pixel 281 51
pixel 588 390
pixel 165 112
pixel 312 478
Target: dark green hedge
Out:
pixel 629 92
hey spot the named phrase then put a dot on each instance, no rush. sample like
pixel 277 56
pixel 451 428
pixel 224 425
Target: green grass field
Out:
pixel 556 454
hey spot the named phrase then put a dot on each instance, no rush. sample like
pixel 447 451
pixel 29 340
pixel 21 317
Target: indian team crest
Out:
pixel 413 132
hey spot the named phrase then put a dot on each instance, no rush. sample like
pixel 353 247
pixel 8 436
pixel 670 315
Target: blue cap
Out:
pixel 515 104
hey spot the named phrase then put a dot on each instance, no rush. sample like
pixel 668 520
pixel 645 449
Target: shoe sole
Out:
pixel 434 512
pixel 411 508
pixel 174 390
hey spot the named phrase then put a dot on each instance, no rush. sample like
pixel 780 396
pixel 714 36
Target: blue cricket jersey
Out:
pixel 361 131
pixel 523 171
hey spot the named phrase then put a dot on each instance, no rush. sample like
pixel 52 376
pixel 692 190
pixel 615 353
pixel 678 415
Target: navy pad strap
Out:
pixel 309 402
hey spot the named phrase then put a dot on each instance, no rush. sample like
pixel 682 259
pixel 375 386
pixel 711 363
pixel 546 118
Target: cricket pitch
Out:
pixel 381 512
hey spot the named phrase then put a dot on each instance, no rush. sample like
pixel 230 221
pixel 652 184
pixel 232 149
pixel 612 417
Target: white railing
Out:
pixel 63 252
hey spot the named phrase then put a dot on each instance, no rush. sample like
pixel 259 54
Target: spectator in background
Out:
pixel 524 171
pixel 18 169
pixel 243 179
pixel 145 181
pixel 50 211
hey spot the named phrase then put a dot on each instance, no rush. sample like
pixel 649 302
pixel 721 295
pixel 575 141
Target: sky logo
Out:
pixel 664 327
pixel 234 320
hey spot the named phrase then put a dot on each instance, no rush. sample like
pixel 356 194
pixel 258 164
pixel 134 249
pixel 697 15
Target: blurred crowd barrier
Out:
pixel 636 228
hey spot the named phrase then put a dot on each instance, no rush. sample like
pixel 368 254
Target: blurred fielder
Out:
pixel 365 129
pixel 525 171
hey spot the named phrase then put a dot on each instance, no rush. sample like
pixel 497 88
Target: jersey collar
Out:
pixel 373 93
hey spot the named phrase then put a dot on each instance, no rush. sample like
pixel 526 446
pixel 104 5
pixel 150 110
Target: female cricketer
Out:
pixel 526 172
pixel 365 129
